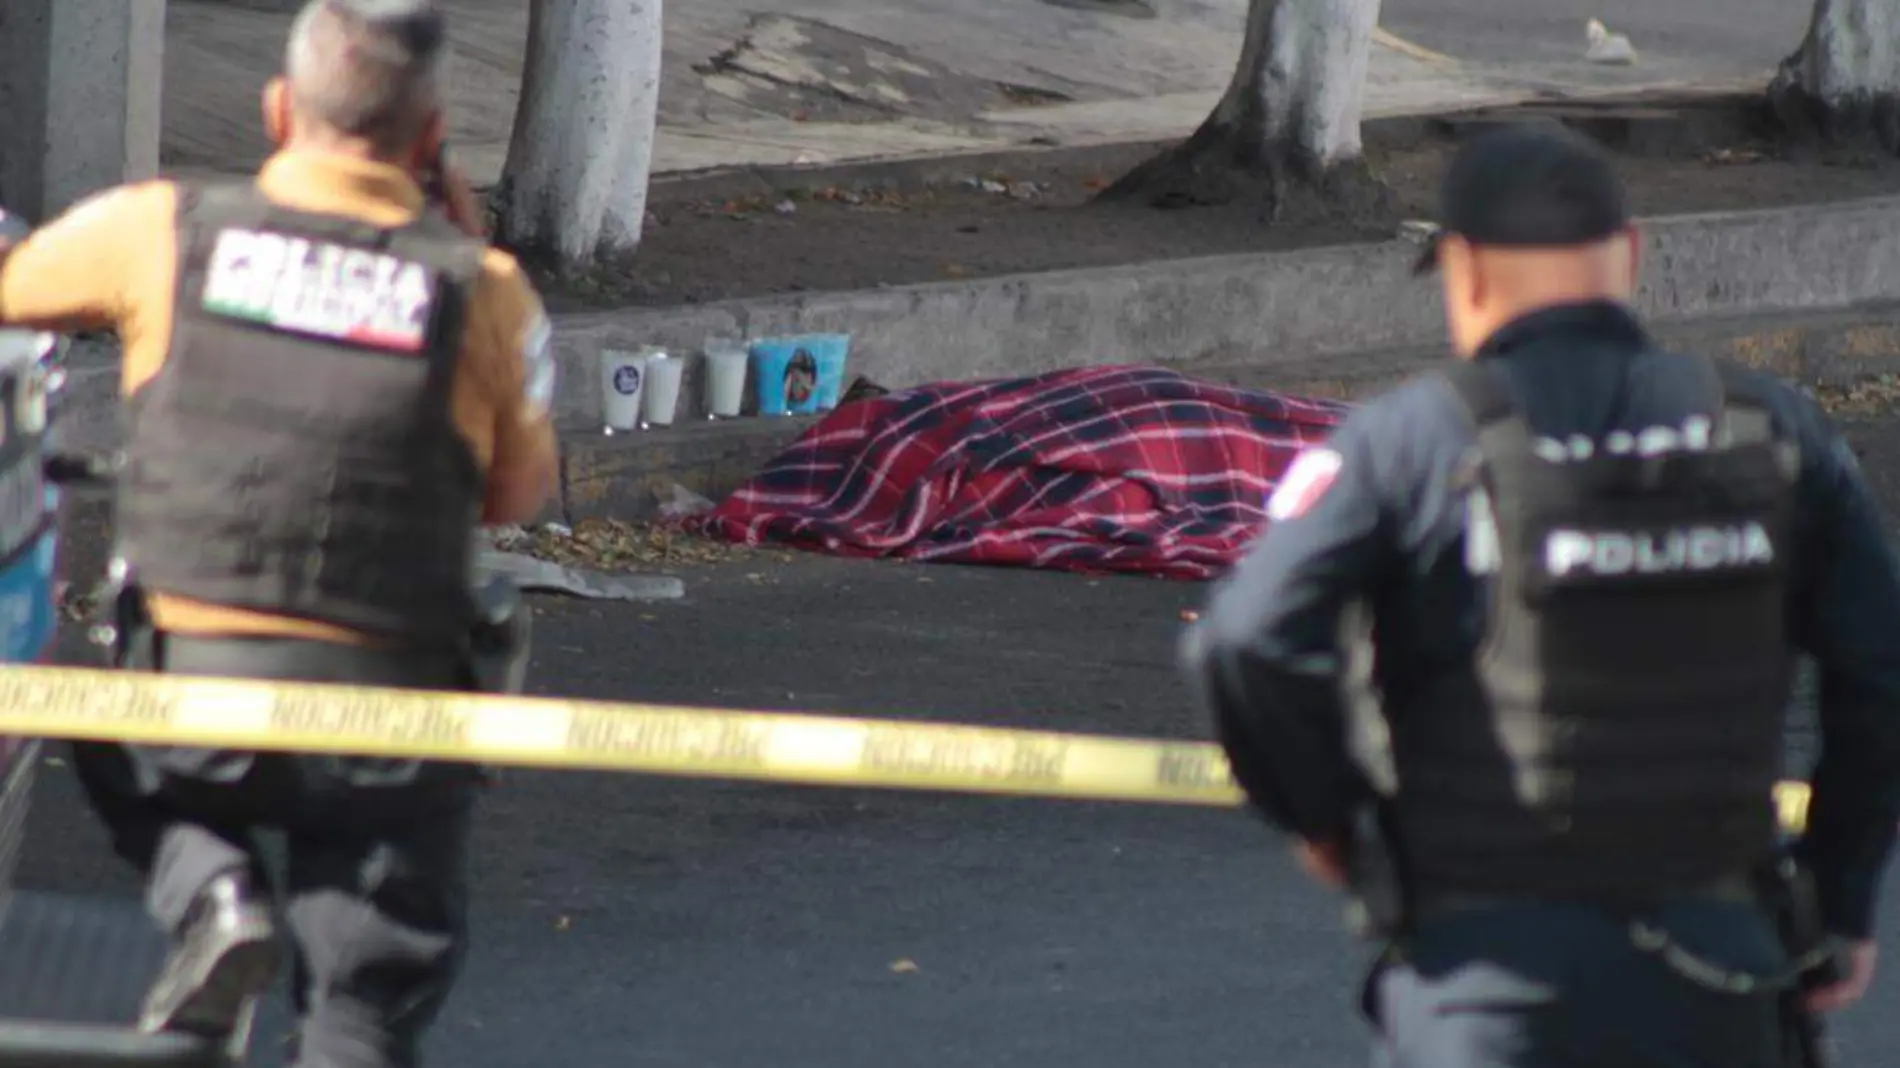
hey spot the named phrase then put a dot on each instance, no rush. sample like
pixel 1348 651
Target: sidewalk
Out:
pixel 736 84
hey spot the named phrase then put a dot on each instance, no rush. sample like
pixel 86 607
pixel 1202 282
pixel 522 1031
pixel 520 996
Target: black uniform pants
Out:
pixel 1555 986
pixel 374 888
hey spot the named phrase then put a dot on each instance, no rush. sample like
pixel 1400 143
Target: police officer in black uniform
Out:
pixel 1512 663
pixel 329 384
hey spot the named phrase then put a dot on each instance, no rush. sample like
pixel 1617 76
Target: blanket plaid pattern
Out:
pixel 1101 469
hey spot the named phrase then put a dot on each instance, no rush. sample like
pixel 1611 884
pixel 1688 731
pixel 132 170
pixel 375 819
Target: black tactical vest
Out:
pixel 295 455
pixel 1620 732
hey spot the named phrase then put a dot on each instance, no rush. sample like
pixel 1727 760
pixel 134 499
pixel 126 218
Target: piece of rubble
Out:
pixel 1612 49
pixel 533 574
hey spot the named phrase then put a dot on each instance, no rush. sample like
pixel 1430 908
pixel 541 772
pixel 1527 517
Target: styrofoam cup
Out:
pixel 725 378
pixel 623 377
pixel 662 399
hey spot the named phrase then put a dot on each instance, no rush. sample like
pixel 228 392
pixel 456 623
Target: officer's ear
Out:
pixel 1465 287
pixel 277 110
pixel 1632 239
pixel 435 133
pixel 1466 293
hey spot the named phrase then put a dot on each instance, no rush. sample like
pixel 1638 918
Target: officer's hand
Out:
pixel 1324 861
pixel 1859 959
pixel 460 203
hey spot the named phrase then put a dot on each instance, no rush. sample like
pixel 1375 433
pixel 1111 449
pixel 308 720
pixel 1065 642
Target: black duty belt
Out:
pixel 301 658
pixel 1736 889
pixel 1645 936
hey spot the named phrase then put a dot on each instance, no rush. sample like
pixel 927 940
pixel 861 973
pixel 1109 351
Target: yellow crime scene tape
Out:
pixel 102 705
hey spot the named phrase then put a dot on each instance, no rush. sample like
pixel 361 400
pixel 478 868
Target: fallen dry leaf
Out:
pixel 1879 395
pixel 615 545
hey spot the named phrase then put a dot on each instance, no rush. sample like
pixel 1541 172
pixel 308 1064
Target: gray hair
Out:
pixel 368 68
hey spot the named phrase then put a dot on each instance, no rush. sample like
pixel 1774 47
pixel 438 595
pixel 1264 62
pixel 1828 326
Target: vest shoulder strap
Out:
pixel 439 244
pixel 230 201
pixel 1483 391
pixel 1746 418
pixel 1488 402
pixel 208 207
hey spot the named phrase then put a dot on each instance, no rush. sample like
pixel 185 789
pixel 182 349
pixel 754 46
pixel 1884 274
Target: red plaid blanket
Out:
pixel 1099 469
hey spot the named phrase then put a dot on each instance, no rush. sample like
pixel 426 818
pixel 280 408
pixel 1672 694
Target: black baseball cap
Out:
pixel 1528 185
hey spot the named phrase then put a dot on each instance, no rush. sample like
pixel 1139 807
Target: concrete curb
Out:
pixel 1778 286
pixel 1294 311
pixel 624 477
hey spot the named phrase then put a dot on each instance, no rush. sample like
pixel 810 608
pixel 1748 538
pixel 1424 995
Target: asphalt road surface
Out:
pixel 648 921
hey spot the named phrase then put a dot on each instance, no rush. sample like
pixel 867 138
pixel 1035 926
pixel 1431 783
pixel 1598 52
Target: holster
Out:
pixel 1787 891
pixel 1377 909
pixel 123 626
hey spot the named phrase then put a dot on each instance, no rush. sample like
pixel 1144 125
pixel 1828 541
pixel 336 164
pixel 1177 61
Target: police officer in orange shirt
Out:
pixel 329 385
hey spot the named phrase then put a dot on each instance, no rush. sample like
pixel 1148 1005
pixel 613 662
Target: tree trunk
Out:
pixel 575 185
pixel 1289 118
pixel 1843 83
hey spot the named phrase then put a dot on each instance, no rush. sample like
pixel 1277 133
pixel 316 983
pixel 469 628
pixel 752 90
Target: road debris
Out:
pixel 1603 46
pixel 1879 395
pixel 536 575
pixel 617 545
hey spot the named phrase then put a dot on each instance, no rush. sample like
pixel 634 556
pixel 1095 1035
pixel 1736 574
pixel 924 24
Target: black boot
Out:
pixel 223 955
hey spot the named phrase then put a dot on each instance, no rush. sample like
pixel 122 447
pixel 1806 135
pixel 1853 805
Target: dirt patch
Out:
pixel 1869 399
pixel 863 227
pixel 614 545
pixel 807 70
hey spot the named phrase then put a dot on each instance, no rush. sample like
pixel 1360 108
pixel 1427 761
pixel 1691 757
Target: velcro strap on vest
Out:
pixel 204 207
pixel 216 206
pixel 1744 415
pixel 1492 409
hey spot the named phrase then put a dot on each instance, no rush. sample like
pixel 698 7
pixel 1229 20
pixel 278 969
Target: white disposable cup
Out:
pixel 623 378
pixel 663 388
pixel 726 363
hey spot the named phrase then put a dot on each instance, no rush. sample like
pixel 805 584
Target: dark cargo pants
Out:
pixel 374 885
pixel 1552 986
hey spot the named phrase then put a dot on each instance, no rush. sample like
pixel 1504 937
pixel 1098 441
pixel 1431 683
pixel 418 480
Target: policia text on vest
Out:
pixel 1681 549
